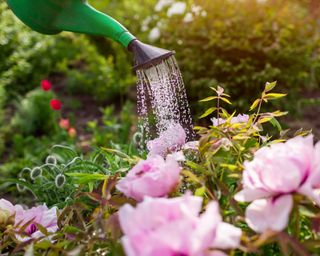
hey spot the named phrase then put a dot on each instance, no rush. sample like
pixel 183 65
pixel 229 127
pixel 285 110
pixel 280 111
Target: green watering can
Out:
pixel 54 16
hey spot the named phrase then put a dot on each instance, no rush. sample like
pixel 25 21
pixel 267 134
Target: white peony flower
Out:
pixel 177 8
pixel 196 9
pixel 161 4
pixel 154 34
pixel 188 18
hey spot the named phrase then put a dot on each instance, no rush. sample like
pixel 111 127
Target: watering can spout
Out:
pixel 146 56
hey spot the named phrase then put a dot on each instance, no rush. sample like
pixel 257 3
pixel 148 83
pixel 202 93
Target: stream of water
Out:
pixel 162 100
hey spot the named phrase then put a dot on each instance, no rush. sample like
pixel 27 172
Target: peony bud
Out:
pixel 46 85
pixel 55 104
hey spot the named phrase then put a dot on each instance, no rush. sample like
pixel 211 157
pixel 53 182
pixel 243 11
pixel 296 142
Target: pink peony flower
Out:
pixel 5 205
pixel 169 141
pixel 8 210
pixel 169 227
pixel 241 118
pixel 273 176
pixel 154 177
pixel 38 215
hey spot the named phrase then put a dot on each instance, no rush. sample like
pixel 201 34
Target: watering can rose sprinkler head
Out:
pixel 146 56
pixel 54 16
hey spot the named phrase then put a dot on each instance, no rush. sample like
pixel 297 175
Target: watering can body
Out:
pixel 53 16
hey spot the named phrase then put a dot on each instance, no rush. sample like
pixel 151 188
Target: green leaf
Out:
pixel 116 152
pixel 274 96
pixel 191 176
pixel 91 185
pixel 265 119
pixel 209 99
pixel 226 100
pixel 200 191
pixel 270 86
pixel 71 230
pixel 85 178
pixel 275 123
pixel 42 229
pixel 255 104
pixel 311 213
pixel 231 167
pixel 208 112
pixel 278 113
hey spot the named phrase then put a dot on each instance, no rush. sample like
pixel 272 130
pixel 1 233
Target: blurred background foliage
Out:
pixel 236 44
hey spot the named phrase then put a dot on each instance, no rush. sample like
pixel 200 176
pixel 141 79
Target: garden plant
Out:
pixel 234 190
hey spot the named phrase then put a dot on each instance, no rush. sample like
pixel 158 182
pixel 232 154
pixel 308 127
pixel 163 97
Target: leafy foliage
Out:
pixel 115 128
pixel 85 187
pixel 27 57
pixel 242 44
pixel 34 115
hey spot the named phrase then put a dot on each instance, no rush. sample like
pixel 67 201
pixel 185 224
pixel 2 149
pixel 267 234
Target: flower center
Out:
pixel 145 168
pixel 31 229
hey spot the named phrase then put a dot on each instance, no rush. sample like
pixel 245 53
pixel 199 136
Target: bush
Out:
pixel 87 71
pixel 2 128
pixel 26 57
pixel 115 128
pixel 241 44
pixel 34 115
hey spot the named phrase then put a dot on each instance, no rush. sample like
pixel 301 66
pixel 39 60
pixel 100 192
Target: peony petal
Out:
pixel 227 236
pixel 283 175
pixel 248 195
pixel 176 235
pixel 310 192
pixel 178 156
pixel 7 206
pixel 48 219
pixel 269 214
pixel 127 246
pixel 315 171
pixel 127 219
pixel 215 253
pixel 205 231
pixel 154 177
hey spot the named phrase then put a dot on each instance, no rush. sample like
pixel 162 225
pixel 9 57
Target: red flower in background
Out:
pixel 46 85
pixel 55 104
pixel 64 123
